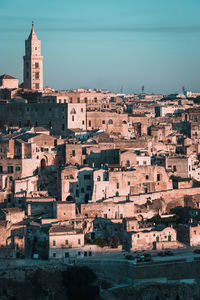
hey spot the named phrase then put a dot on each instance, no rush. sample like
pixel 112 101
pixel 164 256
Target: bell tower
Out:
pixel 33 63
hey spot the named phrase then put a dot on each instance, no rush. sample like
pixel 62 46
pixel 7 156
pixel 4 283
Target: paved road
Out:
pixel 179 254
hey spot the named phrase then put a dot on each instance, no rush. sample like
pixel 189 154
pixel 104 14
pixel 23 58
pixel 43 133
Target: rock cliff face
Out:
pixel 117 281
pixel 156 292
pixel 32 283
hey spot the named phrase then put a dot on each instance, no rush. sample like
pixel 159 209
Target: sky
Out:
pixel 106 44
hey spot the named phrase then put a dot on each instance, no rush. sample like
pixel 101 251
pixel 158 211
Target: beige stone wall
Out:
pixel 66 211
pixel 61 238
pixel 76 115
pixel 194 232
pixel 10 84
pixel 146 239
pixel 108 210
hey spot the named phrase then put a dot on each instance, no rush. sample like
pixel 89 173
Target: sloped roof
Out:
pixel 5 76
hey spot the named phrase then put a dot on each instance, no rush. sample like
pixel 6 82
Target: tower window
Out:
pixel 37 86
pixel 37 75
pixel 36 65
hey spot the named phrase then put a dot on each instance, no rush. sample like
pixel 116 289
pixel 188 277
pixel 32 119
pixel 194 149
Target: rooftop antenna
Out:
pixel 121 90
pixel 143 89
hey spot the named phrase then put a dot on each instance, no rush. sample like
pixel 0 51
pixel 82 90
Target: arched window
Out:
pixel 124 122
pixel 73 111
pixel 43 164
pixel 110 121
pixel 98 178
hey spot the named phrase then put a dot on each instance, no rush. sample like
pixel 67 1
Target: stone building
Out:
pixel 8 82
pixel 55 117
pixel 62 239
pixel 147 239
pixel 189 234
pixel 179 166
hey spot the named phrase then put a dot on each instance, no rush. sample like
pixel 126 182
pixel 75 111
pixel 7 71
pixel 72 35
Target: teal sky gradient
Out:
pixel 106 43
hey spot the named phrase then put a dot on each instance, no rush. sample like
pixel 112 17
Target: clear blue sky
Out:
pixel 106 43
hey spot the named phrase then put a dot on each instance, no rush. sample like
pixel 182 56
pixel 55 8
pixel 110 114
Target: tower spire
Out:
pixel 33 62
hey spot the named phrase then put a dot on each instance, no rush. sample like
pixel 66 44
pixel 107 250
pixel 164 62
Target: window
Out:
pixel 72 118
pixel 54 243
pixel 85 99
pixel 98 178
pixel 83 122
pixel 73 153
pixel 128 163
pixel 110 121
pixel 37 86
pixel 138 235
pixel 54 254
pixel 147 177
pixel 73 111
pixel 17 169
pixel 36 65
pixel 88 187
pixel 66 242
pixel 117 194
pixel 81 109
pixel 158 177
pixel 117 185
pixel 10 169
pixel 174 168
pixel 63 126
pixel 103 122
pixel 1 169
pixel 79 241
pixel 78 100
pixel 129 183
pixel 89 123
pixel 66 254
pixel 83 150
